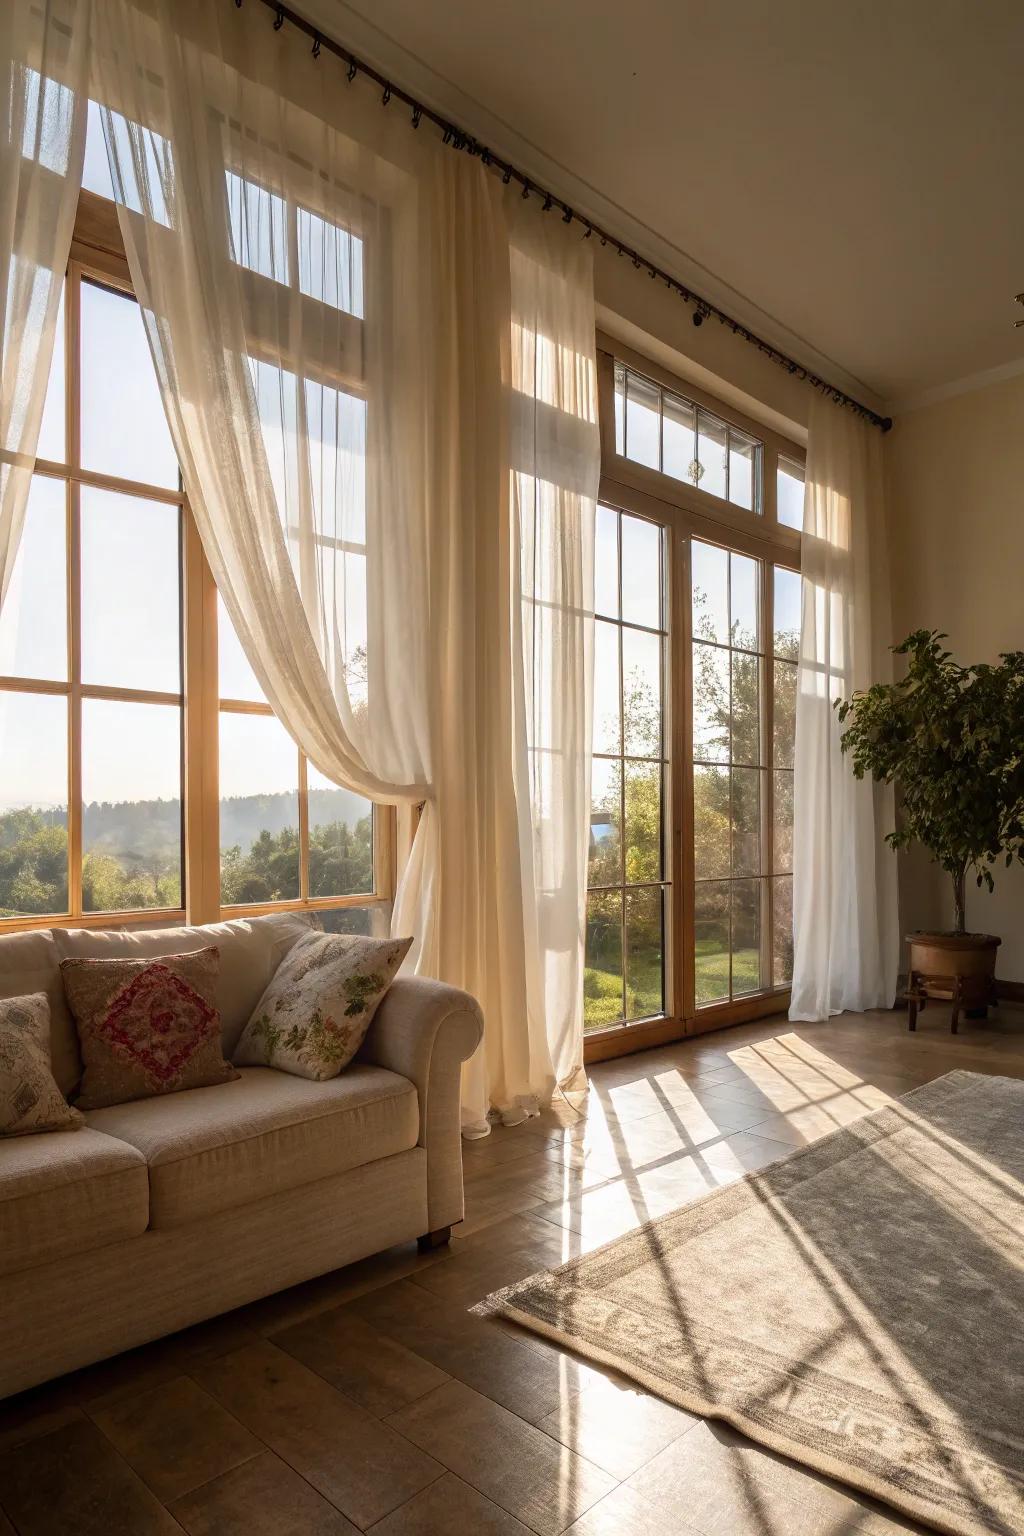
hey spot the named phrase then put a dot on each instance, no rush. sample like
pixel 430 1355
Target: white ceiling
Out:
pixel 850 170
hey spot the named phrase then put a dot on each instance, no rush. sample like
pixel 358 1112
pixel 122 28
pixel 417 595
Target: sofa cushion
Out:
pixel 251 949
pixel 30 962
pixel 312 1018
pixel 30 1101
pixel 146 1027
pixel 211 1149
pixel 61 1195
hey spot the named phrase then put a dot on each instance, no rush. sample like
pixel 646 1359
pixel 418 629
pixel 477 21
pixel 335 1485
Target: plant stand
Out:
pixel 973 993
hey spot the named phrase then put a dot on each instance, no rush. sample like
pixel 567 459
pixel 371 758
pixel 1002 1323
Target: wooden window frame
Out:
pixel 687 513
pixel 97 255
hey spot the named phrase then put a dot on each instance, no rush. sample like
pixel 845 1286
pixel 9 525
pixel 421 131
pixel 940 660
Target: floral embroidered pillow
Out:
pixel 312 1018
pixel 146 1027
pixel 29 1098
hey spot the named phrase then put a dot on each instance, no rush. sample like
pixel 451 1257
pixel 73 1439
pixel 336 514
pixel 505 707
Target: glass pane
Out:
pixel 605 860
pixel 711 940
pixel 237 679
pixel 645 988
pixel 643 822
pixel 131 592
pixel 607 698
pixel 330 263
pixel 52 443
pixel 340 838
pixel 259 229
pixel 746 821
pixel 641 693
pixel 785 713
pixel 641 572
pixel 606 563
pixel 711 822
pixel 33 804
pixel 746 936
pixel 746 713
pixel 96 172
pixel 124 429
pixel 33 619
pixel 783 817
pixel 131 805
pixel 371 922
pixel 602 977
pixel 679 437
pixel 786 617
pixel 745 611
pixel 712 736
pixel 711 454
pixel 643 421
pixel 259 810
pixel 789 494
pixel 744 471
pixel 620 410
pixel 782 931
pixel 709 580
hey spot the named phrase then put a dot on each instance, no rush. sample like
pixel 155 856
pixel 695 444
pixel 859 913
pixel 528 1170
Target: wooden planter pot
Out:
pixel 957 967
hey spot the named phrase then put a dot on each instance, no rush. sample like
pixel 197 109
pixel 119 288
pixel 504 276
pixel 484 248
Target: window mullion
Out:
pixel 73 384
pixel 303 828
pixel 202 730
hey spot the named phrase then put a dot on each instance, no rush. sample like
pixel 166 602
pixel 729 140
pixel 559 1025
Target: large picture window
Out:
pixel 143 776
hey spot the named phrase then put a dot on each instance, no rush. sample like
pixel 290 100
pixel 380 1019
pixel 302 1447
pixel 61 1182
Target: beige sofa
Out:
pixel 165 1211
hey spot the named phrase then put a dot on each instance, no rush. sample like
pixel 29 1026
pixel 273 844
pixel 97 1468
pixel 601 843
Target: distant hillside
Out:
pixel 152 827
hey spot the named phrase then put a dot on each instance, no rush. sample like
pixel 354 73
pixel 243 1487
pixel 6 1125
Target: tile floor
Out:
pixel 372 1400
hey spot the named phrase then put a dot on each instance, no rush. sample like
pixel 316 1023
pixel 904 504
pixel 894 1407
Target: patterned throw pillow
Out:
pixel 312 1018
pixel 29 1098
pixel 146 1027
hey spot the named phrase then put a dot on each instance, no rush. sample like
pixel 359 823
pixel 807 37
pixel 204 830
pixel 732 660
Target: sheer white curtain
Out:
pixel 328 295
pixel 555 460
pixel 43 74
pixel 846 938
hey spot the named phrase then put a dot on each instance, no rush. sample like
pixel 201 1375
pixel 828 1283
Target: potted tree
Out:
pixel 951 739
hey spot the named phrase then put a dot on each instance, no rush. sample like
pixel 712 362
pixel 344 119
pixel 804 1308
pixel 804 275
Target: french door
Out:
pixel 689 876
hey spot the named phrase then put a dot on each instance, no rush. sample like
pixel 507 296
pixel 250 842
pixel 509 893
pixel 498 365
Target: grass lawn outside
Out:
pixel 602 990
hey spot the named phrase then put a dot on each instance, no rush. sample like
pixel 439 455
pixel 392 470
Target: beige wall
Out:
pixel 956 511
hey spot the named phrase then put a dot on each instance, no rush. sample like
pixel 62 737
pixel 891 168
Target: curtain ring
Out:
pixel 386 96
pixel 316 46
pixel 279 20
pixel 352 69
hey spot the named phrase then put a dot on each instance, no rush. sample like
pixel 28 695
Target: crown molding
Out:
pixel 965 386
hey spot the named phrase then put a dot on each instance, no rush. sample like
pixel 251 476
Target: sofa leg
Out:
pixel 431 1240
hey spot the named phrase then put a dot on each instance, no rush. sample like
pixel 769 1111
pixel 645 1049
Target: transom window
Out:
pixel 663 430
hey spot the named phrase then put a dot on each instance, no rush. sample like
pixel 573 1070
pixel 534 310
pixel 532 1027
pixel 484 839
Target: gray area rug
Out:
pixel 858 1306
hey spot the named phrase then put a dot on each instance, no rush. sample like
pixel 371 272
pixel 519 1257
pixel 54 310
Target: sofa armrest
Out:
pixel 425 1030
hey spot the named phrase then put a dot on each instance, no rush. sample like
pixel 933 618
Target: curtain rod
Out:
pixel 457 138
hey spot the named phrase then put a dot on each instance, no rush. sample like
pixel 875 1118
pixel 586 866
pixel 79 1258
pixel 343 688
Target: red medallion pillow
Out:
pixel 146 1027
